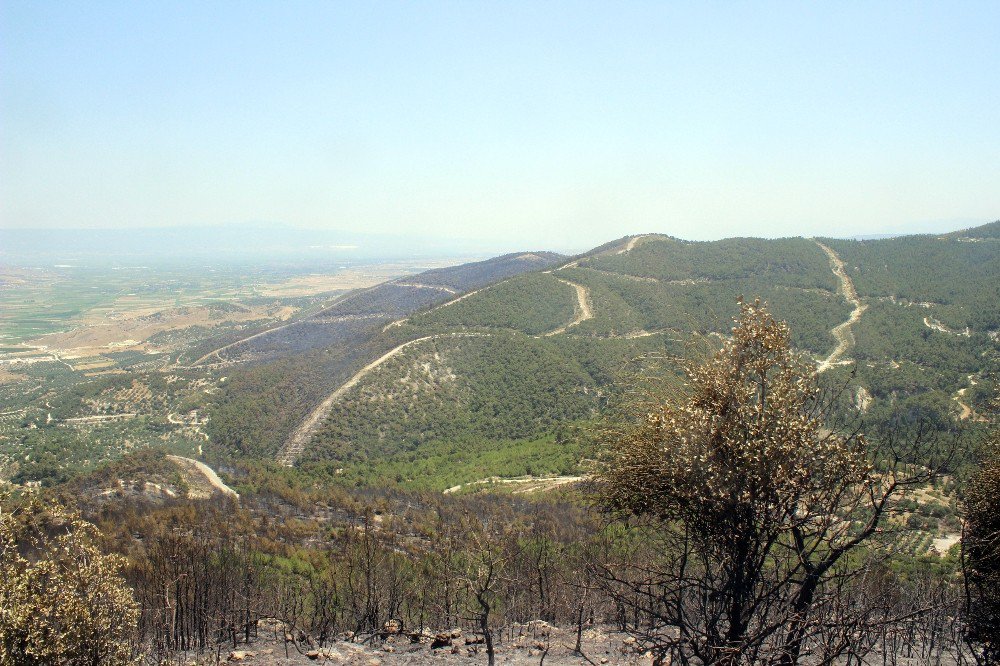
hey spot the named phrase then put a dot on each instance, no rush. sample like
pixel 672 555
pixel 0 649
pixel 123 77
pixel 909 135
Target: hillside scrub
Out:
pixel 668 291
pixel 62 601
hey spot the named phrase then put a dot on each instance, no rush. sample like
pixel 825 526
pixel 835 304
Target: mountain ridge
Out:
pixel 649 294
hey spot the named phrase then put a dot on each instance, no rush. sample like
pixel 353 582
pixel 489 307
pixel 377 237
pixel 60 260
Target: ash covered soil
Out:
pixel 534 643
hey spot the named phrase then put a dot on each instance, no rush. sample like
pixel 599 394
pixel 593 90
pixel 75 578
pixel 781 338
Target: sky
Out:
pixel 532 124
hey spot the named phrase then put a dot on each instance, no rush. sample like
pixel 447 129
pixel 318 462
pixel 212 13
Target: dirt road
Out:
pixel 573 264
pixel 632 242
pixel 201 478
pixel 966 412
pixel 583 308
pixel 456 300
pixel 217 352
pixel 842 333
pixel 98 418
pixel 935 325
pixel 530 484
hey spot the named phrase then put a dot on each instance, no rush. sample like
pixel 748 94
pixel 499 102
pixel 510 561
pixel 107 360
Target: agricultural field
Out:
pixel 92 360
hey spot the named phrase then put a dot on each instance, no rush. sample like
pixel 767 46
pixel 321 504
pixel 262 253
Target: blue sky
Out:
pixel 534 124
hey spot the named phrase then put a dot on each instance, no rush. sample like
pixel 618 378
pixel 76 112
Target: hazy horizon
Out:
pixel 555 126
pixel 273 245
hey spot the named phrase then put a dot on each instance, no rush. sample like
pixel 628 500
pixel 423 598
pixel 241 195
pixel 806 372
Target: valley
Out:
pixel 400 415
pixel 108 373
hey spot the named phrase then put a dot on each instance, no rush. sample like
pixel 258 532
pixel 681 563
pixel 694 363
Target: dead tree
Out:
pixel 492 548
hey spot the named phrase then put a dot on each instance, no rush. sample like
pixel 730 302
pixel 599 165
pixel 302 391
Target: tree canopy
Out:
pixel 758 505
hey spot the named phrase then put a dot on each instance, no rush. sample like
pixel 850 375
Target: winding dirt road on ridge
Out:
pixel 583 308
pixel 841 332
pixel 296 442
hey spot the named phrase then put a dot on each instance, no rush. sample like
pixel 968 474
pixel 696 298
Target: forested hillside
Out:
pixel 294 365
pixel 927 345
pixel 489 382
pixel 454 409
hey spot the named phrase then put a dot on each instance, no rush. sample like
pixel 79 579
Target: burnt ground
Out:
pixel 535 643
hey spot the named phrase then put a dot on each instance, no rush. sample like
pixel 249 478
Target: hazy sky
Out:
pixel 555 124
